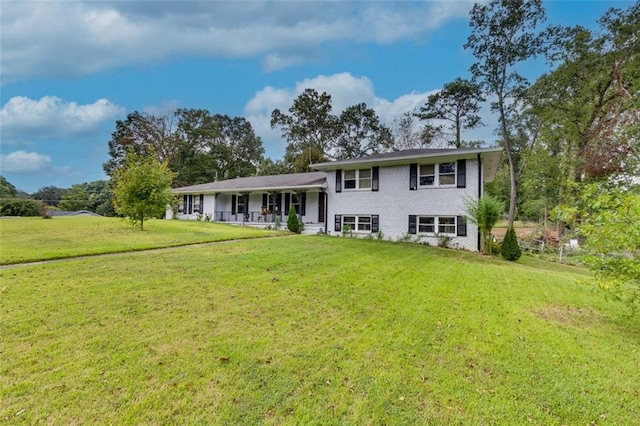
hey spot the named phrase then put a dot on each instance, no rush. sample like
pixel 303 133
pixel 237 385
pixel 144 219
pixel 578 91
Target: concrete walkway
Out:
pixel 141 251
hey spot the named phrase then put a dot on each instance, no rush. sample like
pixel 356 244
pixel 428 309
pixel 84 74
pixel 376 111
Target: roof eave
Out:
pixel 332 165
pixel 254 189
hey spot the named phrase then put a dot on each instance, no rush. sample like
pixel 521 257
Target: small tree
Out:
pixel 293 224
pixel 609 224
pixel 484 212
pixel 510 249
pixel 142 188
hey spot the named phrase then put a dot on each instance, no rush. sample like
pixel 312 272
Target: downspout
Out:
pixel 215 202
pixel 479 192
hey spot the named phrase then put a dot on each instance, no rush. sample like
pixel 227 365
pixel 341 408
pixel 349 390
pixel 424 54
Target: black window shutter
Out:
pixel 185 204
pixel 233 204
pixel 375 171
pixel 246 203
pixel 287 201
pixel 413 176
pixel 265 201
pixel 461 226
pixel 201 203
pixel 412 223
pixel 462 173
pixel 339 180
pixel 338 223
pixel 279 202
pixel 303 204
pixel 375 223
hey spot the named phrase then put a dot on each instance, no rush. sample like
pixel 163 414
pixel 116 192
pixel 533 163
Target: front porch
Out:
pixel 260 219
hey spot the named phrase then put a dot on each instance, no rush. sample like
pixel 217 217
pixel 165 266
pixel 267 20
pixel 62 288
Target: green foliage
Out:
pixel 75 198
pixel 484 212
pixel 7 190
pixel 20 207
pixel 293 223
pixel 510 248
pixel 314 134
pixel 50 195
pixel 610 225
pixel 198 146
pixel 444 240
pixel 142 189
pixel 504 34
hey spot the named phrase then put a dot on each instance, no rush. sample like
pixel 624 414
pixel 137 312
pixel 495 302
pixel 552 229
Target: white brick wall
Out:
pixel 394 202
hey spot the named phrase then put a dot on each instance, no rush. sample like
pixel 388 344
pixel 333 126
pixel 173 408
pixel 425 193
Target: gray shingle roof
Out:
pixel 256 183
pixel 406 156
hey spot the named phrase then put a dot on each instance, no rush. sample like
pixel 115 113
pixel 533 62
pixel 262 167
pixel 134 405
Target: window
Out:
pixel 447 225
pixel 357 179
pixel 240 207
pixel 442 174
pixel 427 174
pixel 357 223
pixel 437 224
pixel 426 224
pixel 364 179
pixel 447 173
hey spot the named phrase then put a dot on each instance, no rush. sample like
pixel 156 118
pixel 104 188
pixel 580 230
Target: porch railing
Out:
pixel 256 216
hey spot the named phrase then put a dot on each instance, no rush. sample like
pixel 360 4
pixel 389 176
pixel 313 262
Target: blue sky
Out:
pixel 69 70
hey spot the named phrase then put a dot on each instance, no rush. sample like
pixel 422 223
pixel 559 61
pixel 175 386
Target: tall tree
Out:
pixel 142 188
pixel 214 147
pixel 409 135
pixel 7 190
pixel 273 167
pixel 143 134
pixel 361 133
pixel 75 198
pixel 591 98
pixel 503 35
pixel 458 103
pixel 49 195
pixel 315 134
pixel 309 126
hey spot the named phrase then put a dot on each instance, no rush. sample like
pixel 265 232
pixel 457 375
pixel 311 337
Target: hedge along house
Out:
pixel 418 193
pixel 257 201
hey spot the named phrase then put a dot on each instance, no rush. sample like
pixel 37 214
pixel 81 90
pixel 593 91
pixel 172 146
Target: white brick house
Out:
pixel 415 193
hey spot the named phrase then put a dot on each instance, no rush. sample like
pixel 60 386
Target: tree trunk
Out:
pixel 512 168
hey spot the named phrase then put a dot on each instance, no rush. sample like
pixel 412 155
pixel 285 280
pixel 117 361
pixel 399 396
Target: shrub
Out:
pixel 510 249
pixel 444 240
pixel 484 212
pixel 293 224
pixel 20 207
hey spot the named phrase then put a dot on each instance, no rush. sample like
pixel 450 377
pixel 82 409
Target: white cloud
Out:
pixel 77 38
pixel 24 162
pixel 52 117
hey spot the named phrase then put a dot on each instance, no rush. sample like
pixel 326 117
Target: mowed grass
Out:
pixel 312 330
pixel 34 239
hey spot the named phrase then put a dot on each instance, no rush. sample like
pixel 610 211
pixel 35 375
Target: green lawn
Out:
pixel 312 330
pixel 32 239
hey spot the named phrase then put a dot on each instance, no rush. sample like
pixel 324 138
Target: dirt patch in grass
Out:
pixel 568 315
